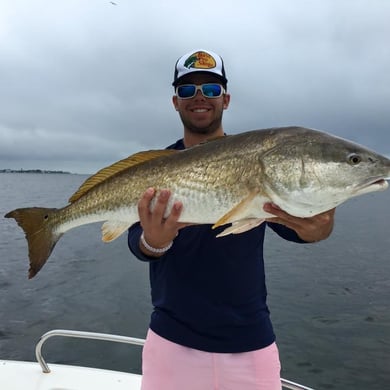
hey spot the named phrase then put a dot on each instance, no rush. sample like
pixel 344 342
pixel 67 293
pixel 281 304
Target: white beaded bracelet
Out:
pixel 155 250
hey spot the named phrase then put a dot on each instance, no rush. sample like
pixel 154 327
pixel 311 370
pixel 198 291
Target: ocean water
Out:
pixel 330 301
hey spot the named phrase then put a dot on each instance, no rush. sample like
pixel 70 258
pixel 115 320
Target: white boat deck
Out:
pixel 17 375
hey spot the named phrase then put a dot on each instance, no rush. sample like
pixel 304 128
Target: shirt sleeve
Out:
pixel 286 233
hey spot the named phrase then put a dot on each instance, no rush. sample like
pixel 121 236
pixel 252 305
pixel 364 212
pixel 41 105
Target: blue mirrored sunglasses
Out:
pixel 188 91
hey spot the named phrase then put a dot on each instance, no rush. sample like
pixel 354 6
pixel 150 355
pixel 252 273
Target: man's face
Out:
pixel 200 114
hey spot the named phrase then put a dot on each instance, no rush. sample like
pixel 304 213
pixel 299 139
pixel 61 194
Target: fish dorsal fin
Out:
pixel 117 167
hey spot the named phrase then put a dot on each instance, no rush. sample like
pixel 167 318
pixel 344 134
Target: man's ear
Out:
pixel 226 101
pixel 174 101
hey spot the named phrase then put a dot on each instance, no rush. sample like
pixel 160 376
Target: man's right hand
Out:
pixel 159 231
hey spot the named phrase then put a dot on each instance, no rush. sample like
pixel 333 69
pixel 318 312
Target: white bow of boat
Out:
pixel 16 375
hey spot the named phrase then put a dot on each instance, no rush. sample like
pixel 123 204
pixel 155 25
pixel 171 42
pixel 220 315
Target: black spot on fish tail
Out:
pixel 35 222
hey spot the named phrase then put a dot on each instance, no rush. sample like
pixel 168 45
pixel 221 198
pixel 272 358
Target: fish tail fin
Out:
pixel 37 225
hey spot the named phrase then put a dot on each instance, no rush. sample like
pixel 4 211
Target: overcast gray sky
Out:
pixel 84 83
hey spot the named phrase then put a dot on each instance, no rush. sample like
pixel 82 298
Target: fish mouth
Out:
pixel 380 182
pixel 375 184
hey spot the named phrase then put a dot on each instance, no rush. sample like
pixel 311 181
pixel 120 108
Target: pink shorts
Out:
pixel 169 366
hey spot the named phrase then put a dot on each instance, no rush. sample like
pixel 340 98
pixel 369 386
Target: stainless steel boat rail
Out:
pixel 117 339
pixel 80 335
pixel 286 384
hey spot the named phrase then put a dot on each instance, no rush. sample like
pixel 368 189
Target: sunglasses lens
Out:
pixel 186 91
pixel 211 90
pixel 208 90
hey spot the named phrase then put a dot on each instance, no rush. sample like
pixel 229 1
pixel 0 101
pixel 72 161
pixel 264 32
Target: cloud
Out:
pixel 85 83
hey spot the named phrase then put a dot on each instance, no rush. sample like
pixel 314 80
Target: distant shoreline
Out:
pixel 32 171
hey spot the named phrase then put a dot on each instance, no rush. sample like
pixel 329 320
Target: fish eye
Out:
pixel 354 159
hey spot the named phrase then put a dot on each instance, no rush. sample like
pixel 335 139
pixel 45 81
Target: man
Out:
pixel 210 327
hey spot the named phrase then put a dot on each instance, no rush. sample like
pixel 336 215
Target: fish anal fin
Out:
pixel 117 167
pixel 238 212
pixel 241 226
pixel 111 230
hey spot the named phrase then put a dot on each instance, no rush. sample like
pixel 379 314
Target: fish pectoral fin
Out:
pixel 241 226
pixel 111 230
pixel 238 212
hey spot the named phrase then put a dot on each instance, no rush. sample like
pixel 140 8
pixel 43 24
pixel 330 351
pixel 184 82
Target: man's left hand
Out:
pixel 310 229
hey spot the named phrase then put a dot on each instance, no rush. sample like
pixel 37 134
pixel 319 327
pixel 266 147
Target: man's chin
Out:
pixel 200 130
pixel 203 128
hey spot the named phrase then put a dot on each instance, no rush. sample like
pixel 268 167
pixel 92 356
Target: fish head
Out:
pixel 312 172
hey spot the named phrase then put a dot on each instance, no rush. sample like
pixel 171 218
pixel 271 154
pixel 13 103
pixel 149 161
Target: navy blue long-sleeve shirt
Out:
pixel 209 293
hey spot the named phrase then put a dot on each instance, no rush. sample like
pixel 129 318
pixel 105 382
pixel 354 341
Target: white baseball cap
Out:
pixel 199 61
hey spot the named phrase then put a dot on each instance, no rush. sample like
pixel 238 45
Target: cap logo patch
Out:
pixel 200 60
